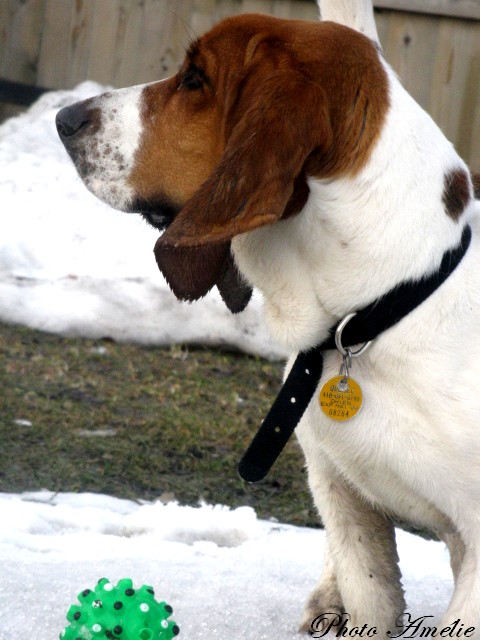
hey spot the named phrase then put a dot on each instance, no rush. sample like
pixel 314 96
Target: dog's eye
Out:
pixel 193 79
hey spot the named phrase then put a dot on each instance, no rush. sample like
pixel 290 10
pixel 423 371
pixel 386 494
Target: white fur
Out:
pixel 413 451
pixel 111 150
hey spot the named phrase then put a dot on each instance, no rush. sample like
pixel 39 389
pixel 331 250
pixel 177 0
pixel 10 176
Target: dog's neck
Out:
pixel 358 237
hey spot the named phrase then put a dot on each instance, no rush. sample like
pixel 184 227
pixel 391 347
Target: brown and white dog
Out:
pixel 286 155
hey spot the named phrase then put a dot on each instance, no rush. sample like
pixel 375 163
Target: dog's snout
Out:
pixel 73 119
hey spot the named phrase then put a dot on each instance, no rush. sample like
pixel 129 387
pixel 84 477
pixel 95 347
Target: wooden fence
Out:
pixel 434 45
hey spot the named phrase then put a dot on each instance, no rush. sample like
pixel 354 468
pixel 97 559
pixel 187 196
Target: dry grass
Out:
pixel 140 422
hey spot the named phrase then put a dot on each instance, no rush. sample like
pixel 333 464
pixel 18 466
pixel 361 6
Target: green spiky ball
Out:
pixel 119 613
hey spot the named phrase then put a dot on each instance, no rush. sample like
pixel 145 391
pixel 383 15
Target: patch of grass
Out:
pixel 140 422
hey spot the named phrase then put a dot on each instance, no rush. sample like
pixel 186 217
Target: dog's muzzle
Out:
pixel 74 122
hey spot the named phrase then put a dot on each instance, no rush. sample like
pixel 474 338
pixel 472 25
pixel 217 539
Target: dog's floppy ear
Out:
pixel 275 122
pixel 233 288
pixel 273 126
pixel 192 271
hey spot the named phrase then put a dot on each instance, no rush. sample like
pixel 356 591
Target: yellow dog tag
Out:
pixel 340 398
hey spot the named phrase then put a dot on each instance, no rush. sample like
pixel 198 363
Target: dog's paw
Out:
pixel 319 625
pixel 324 609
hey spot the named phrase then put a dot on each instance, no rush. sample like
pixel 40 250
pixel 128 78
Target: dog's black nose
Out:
pixel 73 119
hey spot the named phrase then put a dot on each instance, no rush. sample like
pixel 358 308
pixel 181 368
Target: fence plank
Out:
pixel 409 43
pixel 165 32
pixel 201 19
pixel 306 10
pixel 225 8
pixel 81 21
pixel 55 60
pixel 468 9
pixel 20 38
pixel 473 155
pixel 438 61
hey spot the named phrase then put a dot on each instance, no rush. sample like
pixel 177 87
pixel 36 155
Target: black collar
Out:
pixel 303 379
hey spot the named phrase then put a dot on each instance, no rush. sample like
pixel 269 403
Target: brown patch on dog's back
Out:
pixel 457 192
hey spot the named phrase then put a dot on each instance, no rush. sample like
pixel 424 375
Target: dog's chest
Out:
pixel 388 451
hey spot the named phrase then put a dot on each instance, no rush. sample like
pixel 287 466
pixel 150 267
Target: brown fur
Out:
pixel 456 192
pixel 180 145
pixel 191 274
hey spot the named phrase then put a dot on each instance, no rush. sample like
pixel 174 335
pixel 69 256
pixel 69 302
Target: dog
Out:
pixel 286 155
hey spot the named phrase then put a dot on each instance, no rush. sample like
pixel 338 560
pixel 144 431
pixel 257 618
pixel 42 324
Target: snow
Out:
pixel 226 573
pixel 71 265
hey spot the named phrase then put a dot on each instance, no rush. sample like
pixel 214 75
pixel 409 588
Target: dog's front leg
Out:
pixel 465 603
pixel 363 565
pixel 325 605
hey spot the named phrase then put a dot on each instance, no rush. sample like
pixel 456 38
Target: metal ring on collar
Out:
pixel 338 339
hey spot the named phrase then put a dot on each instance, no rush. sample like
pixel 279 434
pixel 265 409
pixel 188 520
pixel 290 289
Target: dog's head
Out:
pixel 227 144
